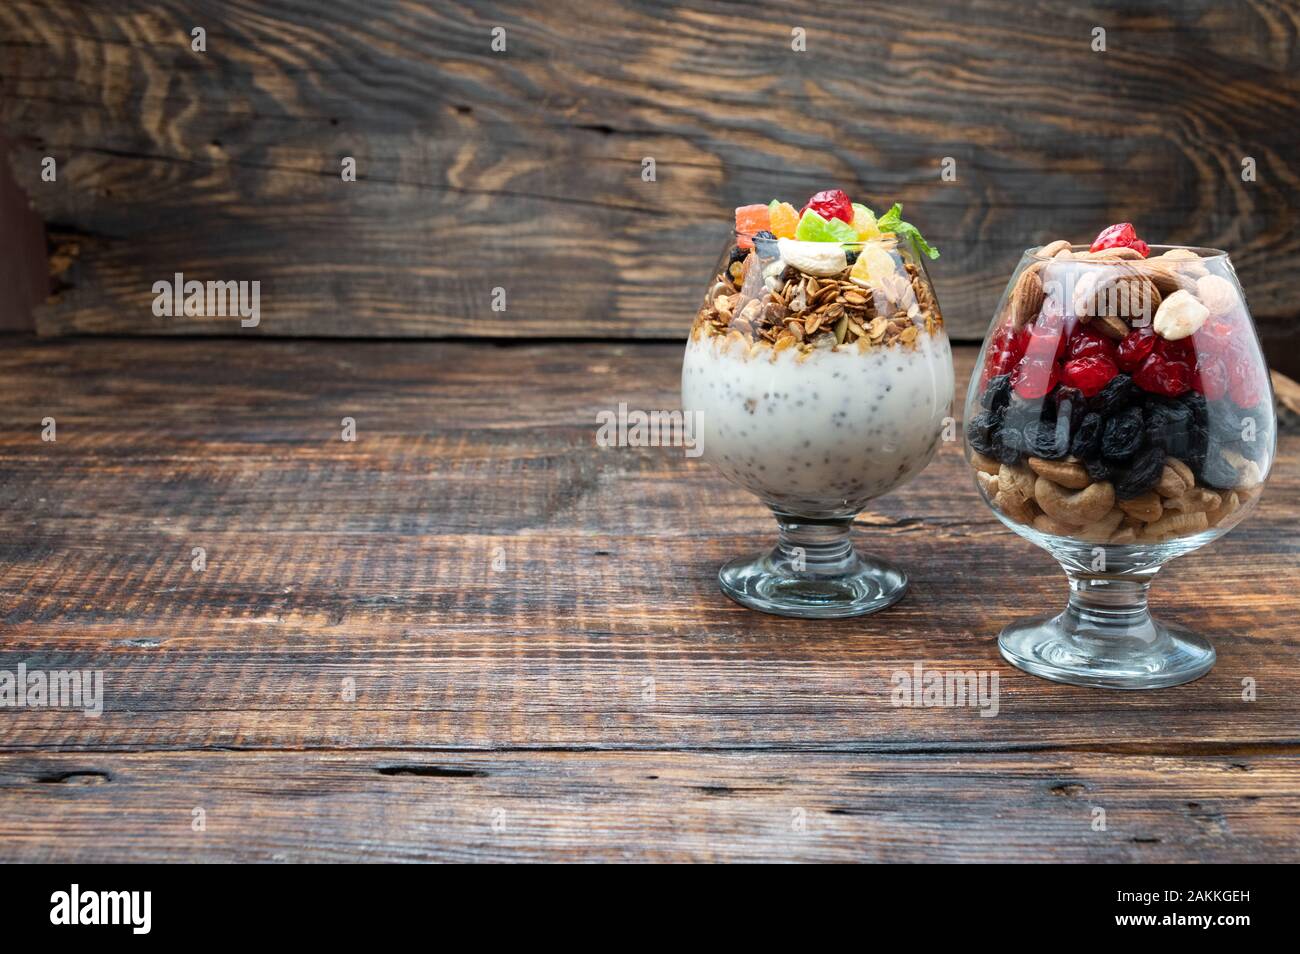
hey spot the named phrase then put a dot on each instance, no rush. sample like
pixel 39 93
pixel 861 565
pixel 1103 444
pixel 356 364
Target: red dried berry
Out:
pixel 1121 235
pixel 1211 377
pixel 1006 348
pixel 1047 338
pixel 1087 342
pixel 1035 377
pixel 1181 350
pixel 1089 374
pixel 1245 383
pixel 1160 375
pixel 831 204
pixel 1134 349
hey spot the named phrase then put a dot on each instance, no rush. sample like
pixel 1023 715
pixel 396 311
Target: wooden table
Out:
pixel 472 634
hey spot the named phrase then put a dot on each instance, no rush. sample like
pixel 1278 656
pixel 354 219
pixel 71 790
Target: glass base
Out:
pixel 813 573
pixel 1106 638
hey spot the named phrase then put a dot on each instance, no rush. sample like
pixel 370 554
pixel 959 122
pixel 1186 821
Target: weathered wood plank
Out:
pixel 490 578
pixel 522 169
pixel 654 806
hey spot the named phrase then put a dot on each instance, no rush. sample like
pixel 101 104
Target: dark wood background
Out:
pixel 522 169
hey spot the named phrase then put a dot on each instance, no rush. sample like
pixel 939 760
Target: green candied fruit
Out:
pixel 813 228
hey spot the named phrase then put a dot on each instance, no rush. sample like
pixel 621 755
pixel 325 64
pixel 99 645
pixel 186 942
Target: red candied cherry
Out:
pixel 1245 383
pixel 1087 341
pixel 1161 375
pixel 1035 377
pixel 1211 377
pixel 1121 235
pixel 1134 348
pixel 831 204
pixel 1089 373
pixel 1047 338
pixel 1006 348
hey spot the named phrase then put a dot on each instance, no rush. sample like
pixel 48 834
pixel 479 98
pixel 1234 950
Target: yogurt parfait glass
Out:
pixel 822 377
pixel 1120 416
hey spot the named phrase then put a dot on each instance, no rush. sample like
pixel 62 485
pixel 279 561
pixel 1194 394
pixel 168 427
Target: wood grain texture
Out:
pixel 522 169
pixel 533 623
pixel 646 806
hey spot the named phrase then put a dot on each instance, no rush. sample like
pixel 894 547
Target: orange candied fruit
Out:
pixel 750 219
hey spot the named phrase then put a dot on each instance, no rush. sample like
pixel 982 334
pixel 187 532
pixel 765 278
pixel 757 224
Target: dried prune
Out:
pixel 1196 403
pixel 1122 435
pixel 1087 438
pixel 1070 405
pixel 998 392
pixel 1142 475
pixel 1115 396
pixel 1007 446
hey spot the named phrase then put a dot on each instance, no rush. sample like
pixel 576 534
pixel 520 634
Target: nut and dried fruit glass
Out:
pixel 1120 415
pixel 822 374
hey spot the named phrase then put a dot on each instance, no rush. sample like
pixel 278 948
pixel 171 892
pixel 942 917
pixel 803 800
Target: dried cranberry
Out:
pixel 1005 350
pixel 1088 342
pixel 1245 383
pixel 1161 375
pixel 1134 349
pixel 831 204
pixel 1121 235
pixel 1211 378
pixel 1047 338
pixel 1034 377
pixel 1180 350
pixel 1089 374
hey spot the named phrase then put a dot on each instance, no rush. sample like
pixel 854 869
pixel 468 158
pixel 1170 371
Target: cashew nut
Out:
pixel 1065 473
pixel 1175 525
pixel 1248 471
pixel 987 482
pixel 1045 524
pixel 1195 500
pixel 1016 480
pixel 1051 248
pixel 985 465
pixel 1013 506
pixel 1146 508
pixel 1226 508
pixel 1175 479
pixel 1123 535
pixel 1079 508
pixel 1101 531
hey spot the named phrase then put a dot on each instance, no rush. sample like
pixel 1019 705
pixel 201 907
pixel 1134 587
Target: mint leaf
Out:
pixel 892 221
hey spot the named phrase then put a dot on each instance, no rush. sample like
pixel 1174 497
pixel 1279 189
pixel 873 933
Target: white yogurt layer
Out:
pixel 825 434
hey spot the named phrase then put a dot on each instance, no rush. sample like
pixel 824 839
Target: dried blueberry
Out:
pixel 1115 396
pixel 1122 435
pixel 1087 438
pixel 998 392
pixel 765 234
pixel 850 256
pixel 1142 475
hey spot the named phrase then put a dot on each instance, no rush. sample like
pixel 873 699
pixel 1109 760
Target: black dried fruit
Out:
pixel 1020 413
pixel 1050 441
pixel 1170 425
pixel 1195 402
pixel 1007 445
pixel 1216 472
pixel 998 392
pixel 1070 405
pixel 1142 475
pixel 1098 469
pixel 1118 394
pixel 1122 435
pixel 1087 438
pixel 850 255
pixel 737 255
pixel 765 234
pixel 981 430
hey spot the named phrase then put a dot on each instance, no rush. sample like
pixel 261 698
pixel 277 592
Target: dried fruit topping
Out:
pixel 1005 351
pixel 1035 376
pixel 1162 375
pixel 1089 374
pixel 1121 235
pixel 750 219
pixel 1122 435
pixel 1134 348
pixel 831 204
pixel 1088 341
pixel 814 227
pixel 1245 383
pixel 784 218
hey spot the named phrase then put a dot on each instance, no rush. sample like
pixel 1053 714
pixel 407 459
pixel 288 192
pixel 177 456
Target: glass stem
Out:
pixel 1102 603
pixel 815 547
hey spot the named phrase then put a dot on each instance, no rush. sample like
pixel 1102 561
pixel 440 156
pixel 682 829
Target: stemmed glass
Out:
pixel 1120 415
pixel 819 387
